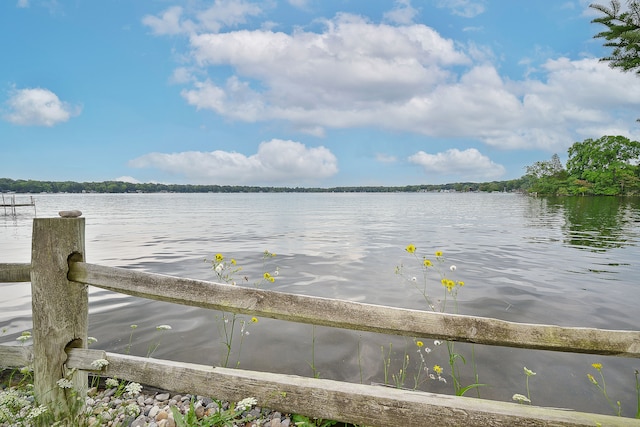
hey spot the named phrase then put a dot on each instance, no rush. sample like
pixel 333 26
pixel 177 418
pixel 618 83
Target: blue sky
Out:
pixel 301 92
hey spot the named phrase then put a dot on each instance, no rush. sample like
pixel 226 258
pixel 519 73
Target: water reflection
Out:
pixel 598 223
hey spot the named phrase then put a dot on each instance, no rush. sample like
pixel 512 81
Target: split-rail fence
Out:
pixel 60 276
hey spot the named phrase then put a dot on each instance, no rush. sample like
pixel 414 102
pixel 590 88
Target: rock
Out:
pixel 162 397
pixel 200 411
pixel 139 422
pixel 153 412
pixel 70 214
pixel 162 416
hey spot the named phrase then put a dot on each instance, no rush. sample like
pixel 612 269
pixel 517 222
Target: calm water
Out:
pixel 571 262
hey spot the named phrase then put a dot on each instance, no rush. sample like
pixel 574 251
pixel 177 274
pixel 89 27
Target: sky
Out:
pixel 310 93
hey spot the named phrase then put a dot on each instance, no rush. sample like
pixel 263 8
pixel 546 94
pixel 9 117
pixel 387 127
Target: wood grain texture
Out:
pixel 336 400
pixel 357 316
pixel 14 272
pixel 60 308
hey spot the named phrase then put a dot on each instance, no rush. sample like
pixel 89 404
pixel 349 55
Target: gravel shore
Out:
pixel 152 409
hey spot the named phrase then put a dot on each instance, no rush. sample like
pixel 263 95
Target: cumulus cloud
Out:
pixel 470 164
pixel 403 13
pixel 276 162
pixel 399 76
pixel 37 107
pixel 223 13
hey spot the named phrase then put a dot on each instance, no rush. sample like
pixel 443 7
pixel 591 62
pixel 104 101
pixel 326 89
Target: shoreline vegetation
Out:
pixel 35 187
pixel 608 166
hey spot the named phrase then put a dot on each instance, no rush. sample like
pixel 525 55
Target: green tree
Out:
pixel 548 177
pixel 610 164
pixel 622 34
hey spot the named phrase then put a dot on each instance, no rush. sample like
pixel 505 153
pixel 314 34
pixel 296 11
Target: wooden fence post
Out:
pixel 60 308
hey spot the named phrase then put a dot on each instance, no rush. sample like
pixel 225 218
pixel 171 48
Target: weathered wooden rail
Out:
pixel 59 278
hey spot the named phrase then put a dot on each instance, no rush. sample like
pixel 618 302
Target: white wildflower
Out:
pixel 414 279
pixel 163 327
pixel 246 403
pixel 36 412
pixel 24 337
pixel 437 342
pixel 453 268
pixel 219 268
pixel 520 398
pixel 64 383
pixel 91 340
pixel 528 372
pixel 99 363
pixel 112 382
pixel 132 409
pixel 133 388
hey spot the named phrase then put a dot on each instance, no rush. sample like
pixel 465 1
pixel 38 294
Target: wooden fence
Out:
pixel 59 277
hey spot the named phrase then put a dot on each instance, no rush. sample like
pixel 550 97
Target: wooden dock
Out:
pixel 9 204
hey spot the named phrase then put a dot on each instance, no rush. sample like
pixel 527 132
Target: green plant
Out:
pixel 451 288
pixel 227 272
pixel 312 364
pixel 304 421
pixel 521 398
pixel 154 345
pixel 229 417
pixel 602 386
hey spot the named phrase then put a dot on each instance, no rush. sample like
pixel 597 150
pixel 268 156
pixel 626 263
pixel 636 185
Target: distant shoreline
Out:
pixel 37 187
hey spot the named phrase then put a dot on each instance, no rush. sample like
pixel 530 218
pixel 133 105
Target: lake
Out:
pixel 564 261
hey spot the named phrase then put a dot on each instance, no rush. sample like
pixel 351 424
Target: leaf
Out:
pixel 463 390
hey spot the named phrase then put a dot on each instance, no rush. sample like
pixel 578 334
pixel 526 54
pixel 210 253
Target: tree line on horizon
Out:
pixel 607 166
pixel 34 187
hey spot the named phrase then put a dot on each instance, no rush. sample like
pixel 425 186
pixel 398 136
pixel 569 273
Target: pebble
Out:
pixel 154 409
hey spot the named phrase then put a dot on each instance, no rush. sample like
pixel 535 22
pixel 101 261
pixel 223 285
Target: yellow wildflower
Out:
pixel 437 369
pixel 219 257
pixel 267 276
pixel 427 263
pixel 460 283
pixel 410 248
pixel 233 261
pixel 254 320
pixel 597 366
pixel 419 343
pixel 438 253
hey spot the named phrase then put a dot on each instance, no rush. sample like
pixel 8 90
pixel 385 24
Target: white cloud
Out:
pixel 276 162
pixel 37 107
pixel 464 8
pixel 128 179
pixel 168 22
pixel 403 13
pixel 468 164
pixel 353 73
pixel 22 3
pixel 223 13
